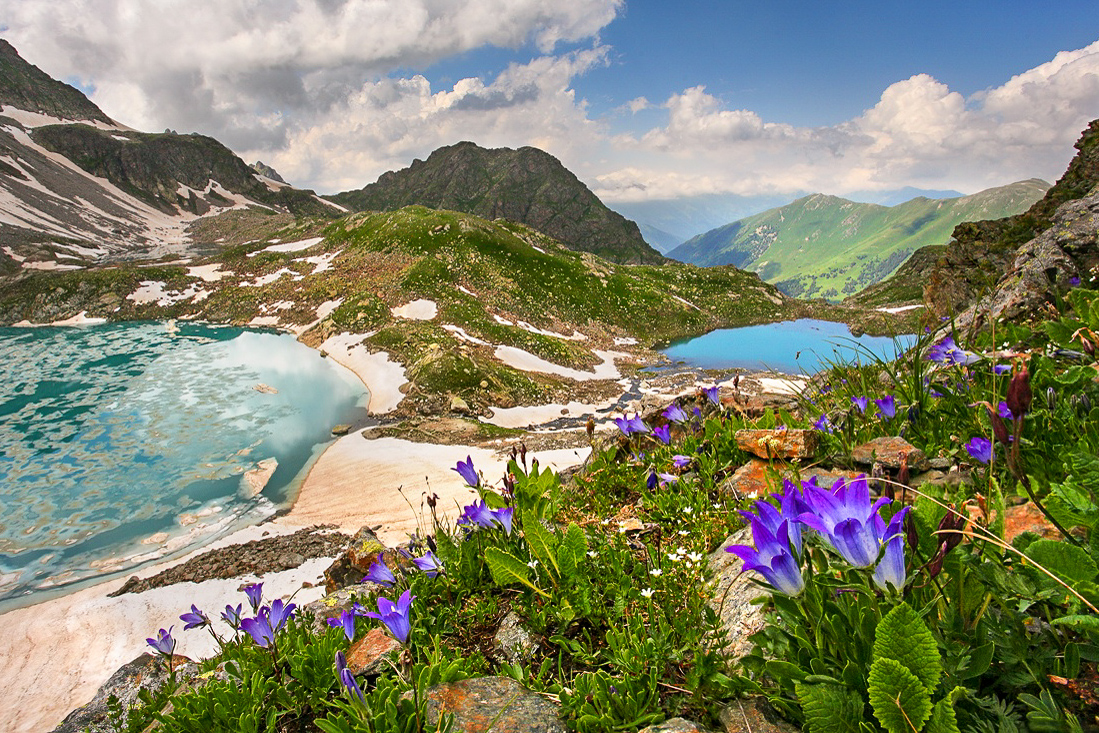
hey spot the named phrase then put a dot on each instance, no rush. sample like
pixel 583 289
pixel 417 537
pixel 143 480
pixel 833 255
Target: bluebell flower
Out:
pixel 823 424
pixel 477 514
pixel 1004 411
pixel 1001 369
pixel 887 406
pixel 861 403
pixel 380 573
pixel 259 628
pixel 712 394
pixel 890 571
pixel 651 481
pixel 845 519
pixel 503 517
pixel 343 674
pixel 163 643
pixel 663 434
pixel 675 413
pixel 668 478
pixel 231 615
pixel 346 621
pixel 771 557
pixel 631 425
pixel 681 461
pixel 281 613
pixel 468 472
pixel 430 564
pixel 395 616
pixel 194 619
pixel 254 592
pixel 980 449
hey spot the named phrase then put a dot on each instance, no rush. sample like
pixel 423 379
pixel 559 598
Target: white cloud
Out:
pixel 920 133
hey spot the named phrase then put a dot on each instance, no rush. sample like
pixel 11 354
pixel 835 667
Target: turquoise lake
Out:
pixel 804 346
pixel 123 443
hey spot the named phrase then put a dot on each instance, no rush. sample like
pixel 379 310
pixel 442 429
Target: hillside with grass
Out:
pixel 490 285
pixel 828 247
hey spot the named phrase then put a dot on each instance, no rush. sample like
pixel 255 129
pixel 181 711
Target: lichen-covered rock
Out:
pixel 891 452
pixel 368 654
pixel 757 477
pixel 753 715
pixel 786 443
pixel 513 643
pixel 732 594
pixel 674 725
pixel 350 567
pixel 146 672
pixel 499 704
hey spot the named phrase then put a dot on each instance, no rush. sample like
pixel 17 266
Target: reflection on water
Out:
pixel 110 435
pixel 791 347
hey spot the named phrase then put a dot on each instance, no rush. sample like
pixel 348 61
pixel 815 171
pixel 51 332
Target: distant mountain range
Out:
pixel 527 185
pixel 829 247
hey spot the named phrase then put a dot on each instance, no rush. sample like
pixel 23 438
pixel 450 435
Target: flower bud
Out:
pixel 1089 347
pixel 1018 393
pixel 1051 398
pixel 999 429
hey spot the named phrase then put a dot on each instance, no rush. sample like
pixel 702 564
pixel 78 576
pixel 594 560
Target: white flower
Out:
pixel 647 593
pixel 684 532
pixel 673 557
pixel 532 564
pixel 753 494
pixel 694 556
pixel 688 510
pixel 656 571
pixel 593 554
pixel 681 551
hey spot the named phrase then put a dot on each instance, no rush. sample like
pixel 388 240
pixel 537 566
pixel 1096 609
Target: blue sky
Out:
pixel 642 99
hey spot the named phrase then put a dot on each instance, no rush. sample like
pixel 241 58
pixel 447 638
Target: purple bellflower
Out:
pixel 675 413
pixel 663 434
pixel 254 592
pixel 163 643
pixel 667 478
pixel 712 395
pixel 231 615
pixel 430 564
pixel 631 425
pixel 347 679
pixel 477 514
pixel 651 481
pixel 846 520
pixel 1004 411
pixel 380 573
pixel 259 628
pixel 887 406
pixel 468 473
pixel 980 449
pixel 194 619
pixel 504 516
pixel 395 616
pixel 681 461
pixel 772 557
pixel 346 621
pixel 860 402
pixel 890 569
pixel 823 424
pixel 281 613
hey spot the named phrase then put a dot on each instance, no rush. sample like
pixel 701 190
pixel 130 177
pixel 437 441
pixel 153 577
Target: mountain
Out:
pixel 527 186
pixel 826 246
pixel 78 188
pixel 687 216
pixel 660 240
pixel 901 195
pixel 991 256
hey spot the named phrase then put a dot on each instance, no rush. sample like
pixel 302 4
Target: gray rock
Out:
pixel 674 725
pixel 753 715
pixel 499 704
pixel 732 594
pixel 146 672
pixel 512 642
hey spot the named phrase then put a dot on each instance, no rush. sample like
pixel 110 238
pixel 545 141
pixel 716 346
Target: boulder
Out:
pixel 674 725
pixel 513 643
pixel 753 715
pixel 147 672
pixel 787 443
pixel 732 595
pixel 757 477
pixel 499 704
pixel 368 654
pixel 891 452
pixel 350 567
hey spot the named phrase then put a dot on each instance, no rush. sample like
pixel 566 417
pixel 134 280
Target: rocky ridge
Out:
pixel 527 186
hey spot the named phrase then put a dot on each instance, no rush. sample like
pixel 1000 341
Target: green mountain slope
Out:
pixel 499 283
pixel 981 252
pixel 527 186
pixel 825 246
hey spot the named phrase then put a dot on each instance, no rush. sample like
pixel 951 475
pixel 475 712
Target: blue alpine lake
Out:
pixel 804 346
pixel 124 443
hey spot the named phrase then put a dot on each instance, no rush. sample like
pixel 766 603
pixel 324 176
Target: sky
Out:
pixel 643 100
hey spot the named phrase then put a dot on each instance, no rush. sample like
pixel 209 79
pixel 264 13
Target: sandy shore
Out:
pixel 71 645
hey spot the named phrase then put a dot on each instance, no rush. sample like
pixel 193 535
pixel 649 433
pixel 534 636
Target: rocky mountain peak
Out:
pixel 26 87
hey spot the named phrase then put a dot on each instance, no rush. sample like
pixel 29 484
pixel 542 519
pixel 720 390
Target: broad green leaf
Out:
pixel 979 660
pixel 1068 562
pixel 1083 622
pixel 571 551
pixel 830 708
pixel 942 718
pixel 903 637
pixel 782 671
pixel 543 545
pixel 900 701
pixel 507 570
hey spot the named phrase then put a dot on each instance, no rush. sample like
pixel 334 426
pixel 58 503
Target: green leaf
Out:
pixel 542 544
pixel 571 551
pixel 507 570
pixel 783 671
pixel 979 661
pixel 903 637
pixel 900 701
pixel 942 718
pixel 830 708
pixel 1083 622
pixel 1068 562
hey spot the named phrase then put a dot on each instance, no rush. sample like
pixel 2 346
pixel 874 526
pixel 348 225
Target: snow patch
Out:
pixel 526 417
pixel 259 282
pixel 461 334
pixel 901 309
pixel 625 341
pixel 154 291
pixel 417 310
pixel 289 246
pixel 528 362
pixel 321 263
pixel 208 273
pixel 382 377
